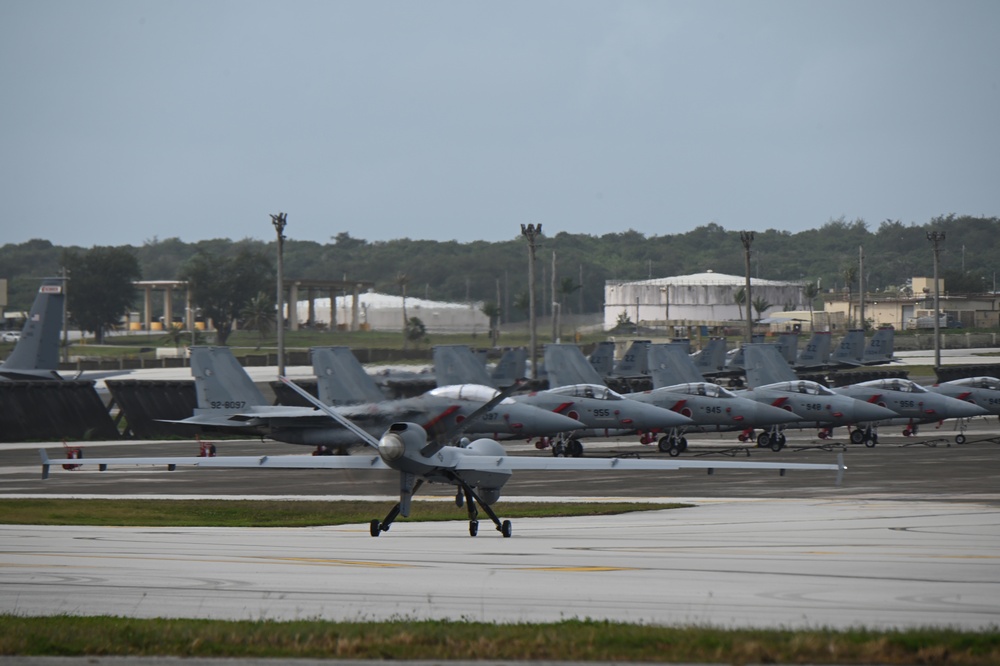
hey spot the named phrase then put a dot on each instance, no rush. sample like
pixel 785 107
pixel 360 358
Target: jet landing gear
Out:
pixel 868 436
pixel 571 448
pixel 673 444
pixel 774 440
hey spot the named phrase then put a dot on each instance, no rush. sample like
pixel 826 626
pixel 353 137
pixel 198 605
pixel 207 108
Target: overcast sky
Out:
pixel 128 121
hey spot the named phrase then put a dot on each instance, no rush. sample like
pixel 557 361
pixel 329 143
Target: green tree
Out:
pixel 415 330
pixel 100 289
pixel 259 314
pixel 760 305
pixel 223 286
pixel 741 298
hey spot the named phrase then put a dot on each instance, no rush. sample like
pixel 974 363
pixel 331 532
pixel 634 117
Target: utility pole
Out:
pixel 746 237
pixel 531 231
pixel 861 285
pixel 555 318
pixel 936 237
pixel 279 221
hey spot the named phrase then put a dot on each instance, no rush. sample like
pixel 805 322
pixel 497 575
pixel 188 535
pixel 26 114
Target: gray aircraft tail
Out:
pixel 766 365
pixel 341 379
pixel 457 364
pixel 851 348
pixel 711 359
pixel 737 361
pixel 510 368
pixel 36 354
pixel 566 365
pixel 602 359
pixel 670 365
pixel 880 347
pixel 788 345
pixel 220 381
pixel 634 362
pixel 816 353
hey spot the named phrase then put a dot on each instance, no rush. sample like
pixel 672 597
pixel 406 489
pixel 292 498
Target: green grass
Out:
pixel 271 513
pixel 572 640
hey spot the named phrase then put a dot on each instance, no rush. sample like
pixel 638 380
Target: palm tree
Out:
pixel 492 310
pixel 741 298
pixel 760 305
pixel 850 274
pixel 260 315
pixel 811 291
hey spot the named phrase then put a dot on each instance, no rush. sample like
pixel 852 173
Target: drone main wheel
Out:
pixel 505 529
pixel 473 527
pixel 375 528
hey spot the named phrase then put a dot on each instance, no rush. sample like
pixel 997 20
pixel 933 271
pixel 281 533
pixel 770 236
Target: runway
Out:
pixel 912 538
pixel 769 563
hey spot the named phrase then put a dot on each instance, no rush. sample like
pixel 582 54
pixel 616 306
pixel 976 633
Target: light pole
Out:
pixel 936 237
pixel 279 221
pixel 746 237
pixel 532 231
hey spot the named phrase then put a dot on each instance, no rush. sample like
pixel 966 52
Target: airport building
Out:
pixel 384 312
pixel 705 299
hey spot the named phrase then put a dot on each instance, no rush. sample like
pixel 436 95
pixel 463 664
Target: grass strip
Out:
pixel 570 640
pixel 271 513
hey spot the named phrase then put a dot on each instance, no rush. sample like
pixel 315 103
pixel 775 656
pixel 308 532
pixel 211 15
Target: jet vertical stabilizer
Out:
pixel 788 345
pixel 880 347
pixel 341 379
pixel 669 365
pixel 36 354
pixel 510 368
pixel 633 362
pixel 711 359
pixel 220 381
pixel 456 364
pixel 848 353
pixel 816 353
pixel 566 365
pixel 602 359
pixel 766 365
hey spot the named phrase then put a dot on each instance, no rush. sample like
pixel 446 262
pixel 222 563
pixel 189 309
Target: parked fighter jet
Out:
pixel 229 400
pixel 604 412
pixel 36 354
pixel 478 471
pixel 981 391
pixel 912 403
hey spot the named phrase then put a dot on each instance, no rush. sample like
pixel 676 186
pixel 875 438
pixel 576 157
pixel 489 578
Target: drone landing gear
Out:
pixel 471 500
pixel 377 527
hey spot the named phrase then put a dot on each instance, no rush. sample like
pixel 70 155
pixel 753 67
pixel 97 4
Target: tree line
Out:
pixel 495 272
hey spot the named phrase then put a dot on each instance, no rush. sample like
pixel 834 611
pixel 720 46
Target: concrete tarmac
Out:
pixel 911 538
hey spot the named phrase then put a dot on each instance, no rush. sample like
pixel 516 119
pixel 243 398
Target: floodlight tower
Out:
pixel 279 221
pixel 532 231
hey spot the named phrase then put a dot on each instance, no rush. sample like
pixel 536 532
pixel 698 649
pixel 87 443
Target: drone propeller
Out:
pixel 441 440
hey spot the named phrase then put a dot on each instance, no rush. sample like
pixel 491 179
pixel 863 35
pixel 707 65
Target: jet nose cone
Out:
pixel 546 422
pixel 645 416
pixel 770 415
pixel 866 412
pixel 960 409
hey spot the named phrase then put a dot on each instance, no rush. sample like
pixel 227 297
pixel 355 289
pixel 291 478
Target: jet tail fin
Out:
pixel 816 353
pixel 510 368
pixel 602 359
pixel 220 379
pixel 669 365
pixel 850 349
pixel 634 361
pixel 341 379
pixel 765 365
pixel 36 354
pixel 880 347
pixel 566 365
pixel 456 364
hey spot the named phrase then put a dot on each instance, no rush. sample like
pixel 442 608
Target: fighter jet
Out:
pixel 479 470
pixel 818 406
pixel 603 411
pixel 228 400
pixel 981 391
pixel 912 403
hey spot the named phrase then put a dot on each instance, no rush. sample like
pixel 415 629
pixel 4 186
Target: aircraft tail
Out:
pixel 850 349
pixel 634 362
pixel 220 379
pixel 36 354
pixel 816 353
pixel 880 347
pixel 456 364
pixel 566 365
pixel 670 365
pixel 341 379
pixel 602 359
pixel 788 345
pixel 765 364
pixel 510 368
pixel 711 359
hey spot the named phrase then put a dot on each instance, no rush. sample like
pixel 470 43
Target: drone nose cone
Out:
pixel 867 412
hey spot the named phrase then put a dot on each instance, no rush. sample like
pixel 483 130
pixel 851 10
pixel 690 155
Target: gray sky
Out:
pixel 126 121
